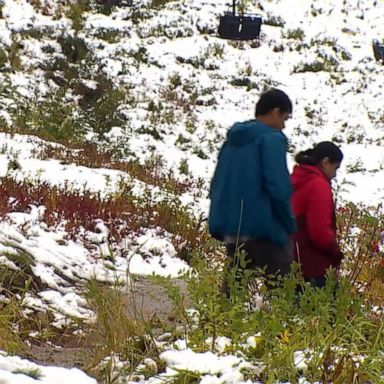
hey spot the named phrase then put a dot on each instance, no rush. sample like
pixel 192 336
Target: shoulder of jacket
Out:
pixel 320 183
pixel 274 135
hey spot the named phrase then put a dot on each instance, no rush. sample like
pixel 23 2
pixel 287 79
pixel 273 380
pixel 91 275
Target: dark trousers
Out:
pixel 275 259
pixel 318 282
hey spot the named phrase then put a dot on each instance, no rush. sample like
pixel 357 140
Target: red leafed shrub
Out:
pixel 152 172
pixel 122 213
pixel 361 237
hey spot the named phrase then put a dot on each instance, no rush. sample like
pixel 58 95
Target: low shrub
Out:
pixel 92 95
pixel 34 33
pixel 75 14
pixel 73 47
pixel 361 236
pixel 296 34
pixel 332 329
pixel 108 35
pixel 275 21
pixel 158 4
pixel 123 213
pixel 322 64
pixel 52 119
pixel 3 58
pixel 14 53
pixel 106 111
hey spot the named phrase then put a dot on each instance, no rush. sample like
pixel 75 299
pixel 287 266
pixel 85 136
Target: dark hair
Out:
pixel 313 156
pixel 273 98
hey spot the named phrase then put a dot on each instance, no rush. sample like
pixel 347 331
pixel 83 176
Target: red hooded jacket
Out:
pixel 314 242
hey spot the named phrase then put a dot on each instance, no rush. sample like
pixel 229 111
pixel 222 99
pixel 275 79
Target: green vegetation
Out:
pixel 158 4
pixel 299 332
pixel 53 119
pixel 273 20
pixel 109 35
pixel 3 57
pixel 74 48
pixel 333 331
pixel 296 34
pixel 118 332
pixel 243 6
pixel 14 54
pixel 315 66
pixel 76 11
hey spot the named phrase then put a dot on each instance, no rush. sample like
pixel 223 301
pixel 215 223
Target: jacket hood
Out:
pixel 244 133
pixel 303 174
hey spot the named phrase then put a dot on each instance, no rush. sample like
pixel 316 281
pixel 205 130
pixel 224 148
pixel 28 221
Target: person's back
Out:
pixel 250 186
pixel 315 245
pixel 251 189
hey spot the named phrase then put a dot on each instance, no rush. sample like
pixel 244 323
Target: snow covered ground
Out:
pixel 14 370
pixel 173 58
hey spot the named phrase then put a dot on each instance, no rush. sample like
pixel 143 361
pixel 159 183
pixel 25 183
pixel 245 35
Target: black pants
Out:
pixel 318 282
pixel 275 259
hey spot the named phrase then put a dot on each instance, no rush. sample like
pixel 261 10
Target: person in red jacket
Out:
pixel 315 246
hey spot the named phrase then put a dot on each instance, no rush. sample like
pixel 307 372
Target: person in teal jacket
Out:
pixel 251 188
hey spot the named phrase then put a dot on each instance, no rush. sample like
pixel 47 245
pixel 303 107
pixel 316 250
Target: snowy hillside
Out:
pixel 111 121
pixel 183 86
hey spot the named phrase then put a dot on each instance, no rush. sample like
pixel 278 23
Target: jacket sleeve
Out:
pixel 320 215
pixel 276 178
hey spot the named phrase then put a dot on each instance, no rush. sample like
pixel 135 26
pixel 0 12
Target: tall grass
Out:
pixel 121 330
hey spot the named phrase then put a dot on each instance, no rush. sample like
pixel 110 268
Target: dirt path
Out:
pixel 147 301
pixel 151 300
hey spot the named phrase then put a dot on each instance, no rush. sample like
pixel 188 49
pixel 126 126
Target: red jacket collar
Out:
pixel 302 174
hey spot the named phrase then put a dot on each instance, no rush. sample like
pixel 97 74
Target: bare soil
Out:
pixel 147 301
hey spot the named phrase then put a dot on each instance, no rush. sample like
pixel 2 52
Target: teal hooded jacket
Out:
pixel 251 189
